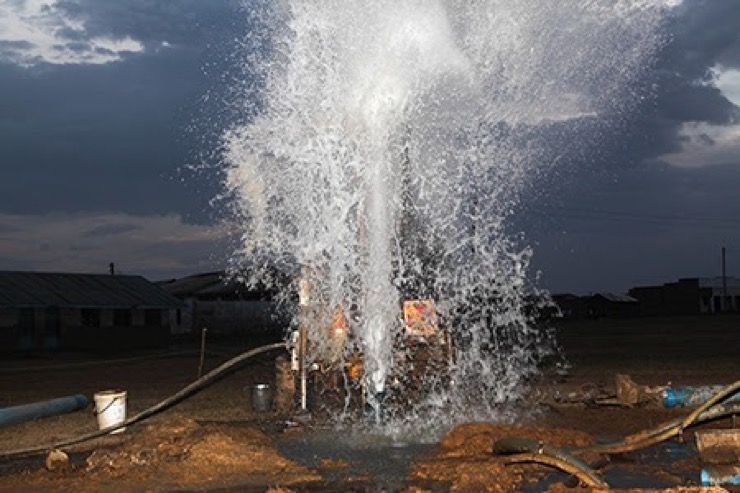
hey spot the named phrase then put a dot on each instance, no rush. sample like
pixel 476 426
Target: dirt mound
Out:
pixel 470 439
pixel 679 489
pixel 464 459
pixel 176 450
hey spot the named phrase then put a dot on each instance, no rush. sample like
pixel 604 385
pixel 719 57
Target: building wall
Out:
pixel 137 317
pixel 38 330
pixel 106 318
pixel 175 319
pixel 234 317
pixel 688 297
pixel 8 317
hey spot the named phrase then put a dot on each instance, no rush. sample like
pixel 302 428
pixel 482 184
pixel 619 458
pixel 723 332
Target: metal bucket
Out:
pixel 261 397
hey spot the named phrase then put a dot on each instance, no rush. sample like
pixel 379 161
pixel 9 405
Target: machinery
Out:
pixel 327 360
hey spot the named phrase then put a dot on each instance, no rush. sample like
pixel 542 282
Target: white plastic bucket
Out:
pixel 110 408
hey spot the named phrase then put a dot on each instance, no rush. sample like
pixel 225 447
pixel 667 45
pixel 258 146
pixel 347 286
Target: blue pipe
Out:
pixel 720 475
pixel 691 396
pixel 42 409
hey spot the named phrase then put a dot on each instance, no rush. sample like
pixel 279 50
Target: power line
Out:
pixel 624 216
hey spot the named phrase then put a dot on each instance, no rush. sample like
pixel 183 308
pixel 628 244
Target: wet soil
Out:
pixel 214 441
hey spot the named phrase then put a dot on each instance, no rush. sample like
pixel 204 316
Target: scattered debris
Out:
pixel 718 475
pixel 559 488
pixel 57 460
pixel 719 446
pixel 334 464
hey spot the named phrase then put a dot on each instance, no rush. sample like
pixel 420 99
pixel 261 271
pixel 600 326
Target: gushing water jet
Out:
pixel 387 146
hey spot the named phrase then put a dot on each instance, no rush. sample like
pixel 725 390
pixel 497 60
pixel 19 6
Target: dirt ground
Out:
pixel 214 441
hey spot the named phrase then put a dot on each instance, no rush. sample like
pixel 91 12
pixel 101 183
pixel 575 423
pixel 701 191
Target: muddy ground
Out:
pixel 214 441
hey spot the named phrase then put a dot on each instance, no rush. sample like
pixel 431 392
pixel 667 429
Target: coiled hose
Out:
pixel 187 391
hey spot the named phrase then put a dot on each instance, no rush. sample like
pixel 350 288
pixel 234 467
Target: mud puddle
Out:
pixel 361 460
pixel 665 465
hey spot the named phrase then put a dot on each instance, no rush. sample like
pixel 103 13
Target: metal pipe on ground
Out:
pixel 42 409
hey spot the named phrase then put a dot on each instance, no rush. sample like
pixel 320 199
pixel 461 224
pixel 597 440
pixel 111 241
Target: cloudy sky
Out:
pixel 105 104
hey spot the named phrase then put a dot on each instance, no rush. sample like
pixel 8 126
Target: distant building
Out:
pixel 610 305
pixel 42 311
pixel 225 306
pixel 569 306
pixel 690 296
pixel 598 305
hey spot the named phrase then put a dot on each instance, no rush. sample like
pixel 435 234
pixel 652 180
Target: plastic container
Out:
pixel 691 396
pixel 110 409
pixel 261 398
pixel 719 446
pixel 720 475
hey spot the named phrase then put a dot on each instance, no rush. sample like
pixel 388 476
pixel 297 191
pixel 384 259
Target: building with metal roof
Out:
pixel 45 311
pixel 225 306
pixel 690 296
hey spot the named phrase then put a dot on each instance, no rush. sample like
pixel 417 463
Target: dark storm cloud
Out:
pixel 614 216
pixel 114 136
pixel 704 35
pixel 6 228
pixel 709 28
pixel 686 102
pixel 185 22
pixel 611 215
pixel 679 88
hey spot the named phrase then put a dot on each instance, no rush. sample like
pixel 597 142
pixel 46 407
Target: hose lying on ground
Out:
pixel 719 397
pixel 527 450
pixel 663 432
pixel 167 403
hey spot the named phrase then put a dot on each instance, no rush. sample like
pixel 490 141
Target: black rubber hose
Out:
pixel 184 393
pixel 718 397
pixel 534 451
pixel 528 450
pixel 600 463
pixel 663 432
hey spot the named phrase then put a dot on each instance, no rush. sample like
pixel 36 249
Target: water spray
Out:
pixel 387 147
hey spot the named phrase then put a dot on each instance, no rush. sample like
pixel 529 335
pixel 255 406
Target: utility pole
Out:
pixel 724 280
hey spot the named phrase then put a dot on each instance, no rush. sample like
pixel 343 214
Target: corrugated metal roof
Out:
pixel 618 298
pixel 212 285
pixel 42 289
pixel 195 284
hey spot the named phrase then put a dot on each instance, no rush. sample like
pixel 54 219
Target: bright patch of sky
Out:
pixel 89 242
pixel 728 82
pixel 33 32
pixel 707 145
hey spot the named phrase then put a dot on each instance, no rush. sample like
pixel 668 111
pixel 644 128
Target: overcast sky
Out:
pixel 104 104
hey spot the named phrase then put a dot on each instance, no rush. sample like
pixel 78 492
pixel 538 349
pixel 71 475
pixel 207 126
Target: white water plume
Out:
pixel 386 144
